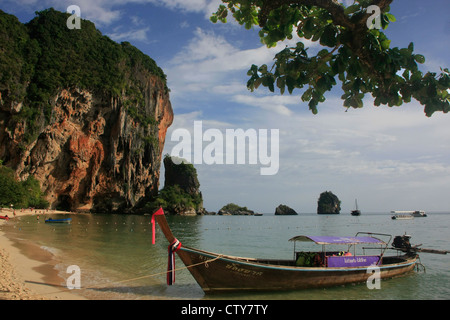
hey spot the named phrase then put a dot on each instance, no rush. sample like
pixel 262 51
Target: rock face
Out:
pixel 234 209
pixel 283 210
pixel 181 193
pixel 328 203
pixel 182 174
pixel 95 149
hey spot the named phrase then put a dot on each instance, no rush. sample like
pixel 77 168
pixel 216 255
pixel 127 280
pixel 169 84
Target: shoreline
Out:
pixel 27 272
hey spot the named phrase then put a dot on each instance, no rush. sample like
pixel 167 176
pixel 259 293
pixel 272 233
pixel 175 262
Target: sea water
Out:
pixel 117 260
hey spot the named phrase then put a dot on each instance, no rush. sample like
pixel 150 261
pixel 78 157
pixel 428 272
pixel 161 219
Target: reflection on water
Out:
pixel 117 259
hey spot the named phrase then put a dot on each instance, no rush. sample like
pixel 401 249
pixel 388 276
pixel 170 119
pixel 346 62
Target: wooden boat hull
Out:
pixel 216 273
pixel 355 213
pixel 402 217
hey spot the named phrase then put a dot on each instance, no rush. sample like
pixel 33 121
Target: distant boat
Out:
pixel 356 212
pixel 415 213
pixel 258 214
pixel 402 217
pixel 418 213
pixel 66 220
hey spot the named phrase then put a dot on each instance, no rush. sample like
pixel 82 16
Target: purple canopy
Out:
pixel 338 240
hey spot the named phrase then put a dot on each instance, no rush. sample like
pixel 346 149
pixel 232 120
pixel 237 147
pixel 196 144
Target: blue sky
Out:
pixel 387 158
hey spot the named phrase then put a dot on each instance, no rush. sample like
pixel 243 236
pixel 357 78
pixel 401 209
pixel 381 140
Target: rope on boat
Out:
pixel 103 285
pixel 419 265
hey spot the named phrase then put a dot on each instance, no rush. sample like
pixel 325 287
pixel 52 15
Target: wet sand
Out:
pixel 28 272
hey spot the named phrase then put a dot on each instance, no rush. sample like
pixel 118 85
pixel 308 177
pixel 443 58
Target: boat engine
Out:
pixel 402 242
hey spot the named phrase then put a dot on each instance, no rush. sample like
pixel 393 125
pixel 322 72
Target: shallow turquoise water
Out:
pixel 117 259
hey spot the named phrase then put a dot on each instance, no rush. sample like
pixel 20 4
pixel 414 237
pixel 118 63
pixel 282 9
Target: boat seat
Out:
pixel 309 259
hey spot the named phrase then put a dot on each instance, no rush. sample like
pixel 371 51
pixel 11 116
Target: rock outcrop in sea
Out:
pixel 328 203
pixel 181 194
pixel 234 209
pixel 85 116
pixel 284 210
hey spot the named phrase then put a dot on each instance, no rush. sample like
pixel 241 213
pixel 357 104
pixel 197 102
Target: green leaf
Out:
pixel 351 9
pixel 281 83
pixel 307 95
pixel 308 28
pixel 391 17
pixel 313 106
pixel 328 37
pixel 385 44
pixel 419 58
pixel 290 84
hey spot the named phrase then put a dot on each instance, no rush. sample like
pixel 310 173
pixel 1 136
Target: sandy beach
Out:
pixel 26 271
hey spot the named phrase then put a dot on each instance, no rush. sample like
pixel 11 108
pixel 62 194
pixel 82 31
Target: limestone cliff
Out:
pixel 93 137
pixel 181 194
pixel 328 203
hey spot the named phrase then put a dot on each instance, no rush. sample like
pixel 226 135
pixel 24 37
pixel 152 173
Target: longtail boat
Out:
pixel 216 272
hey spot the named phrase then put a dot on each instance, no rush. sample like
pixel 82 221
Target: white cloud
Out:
pixel 105 12
pixel 100 12
pixel 269 103
pixel 130 35
pixel 209 63
pixel 198 6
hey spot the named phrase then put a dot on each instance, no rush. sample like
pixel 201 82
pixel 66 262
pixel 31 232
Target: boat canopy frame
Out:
pixel 349 241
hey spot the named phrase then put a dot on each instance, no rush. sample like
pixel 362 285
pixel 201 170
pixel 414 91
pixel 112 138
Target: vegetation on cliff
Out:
pixel 328 203
pixel 42 56
pixel 20 194
pixel 174 200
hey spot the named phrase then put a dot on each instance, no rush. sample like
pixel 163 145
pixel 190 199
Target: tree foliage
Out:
pixel 360 57
pixel 20 194
pixel 173 198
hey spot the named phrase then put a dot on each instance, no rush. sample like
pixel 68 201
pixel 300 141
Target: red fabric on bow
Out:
pixel 157 213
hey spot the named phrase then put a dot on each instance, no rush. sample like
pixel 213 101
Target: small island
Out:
pixel 235 210
pixel 181 194
pixel 328 203
pixel 283 210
